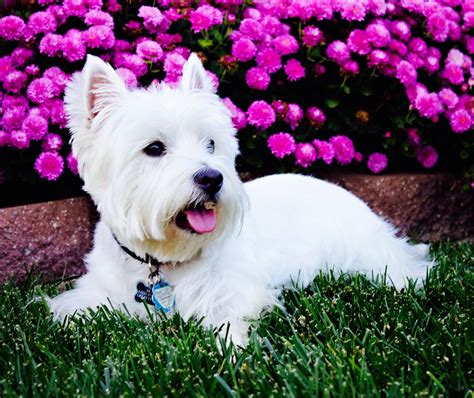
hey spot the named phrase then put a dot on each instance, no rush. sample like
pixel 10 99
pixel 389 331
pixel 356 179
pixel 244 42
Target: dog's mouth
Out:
pixel 199 218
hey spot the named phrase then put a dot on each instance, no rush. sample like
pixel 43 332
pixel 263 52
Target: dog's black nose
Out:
pixel 209 180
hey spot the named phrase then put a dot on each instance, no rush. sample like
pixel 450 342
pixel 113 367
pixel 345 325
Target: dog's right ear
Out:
pixel 92 93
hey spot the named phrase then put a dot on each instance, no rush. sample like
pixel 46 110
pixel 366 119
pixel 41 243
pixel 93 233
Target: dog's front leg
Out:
pixel 225 302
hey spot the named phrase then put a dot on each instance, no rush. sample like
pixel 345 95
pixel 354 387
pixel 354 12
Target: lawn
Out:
pixel 339 337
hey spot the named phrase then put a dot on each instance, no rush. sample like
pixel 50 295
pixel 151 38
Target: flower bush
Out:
pixel 378 85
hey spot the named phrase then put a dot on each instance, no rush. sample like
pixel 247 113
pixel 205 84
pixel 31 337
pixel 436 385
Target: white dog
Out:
pixel 179 230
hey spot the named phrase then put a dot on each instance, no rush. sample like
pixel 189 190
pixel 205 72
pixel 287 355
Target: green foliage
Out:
pixel 339 337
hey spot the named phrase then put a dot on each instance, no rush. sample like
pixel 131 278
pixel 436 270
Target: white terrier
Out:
pixel 179 230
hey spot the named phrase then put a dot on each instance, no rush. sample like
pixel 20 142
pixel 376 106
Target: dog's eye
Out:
pixel 211 146
pixel 155 149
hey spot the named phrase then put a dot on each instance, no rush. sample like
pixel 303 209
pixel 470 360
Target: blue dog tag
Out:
pixel 163 298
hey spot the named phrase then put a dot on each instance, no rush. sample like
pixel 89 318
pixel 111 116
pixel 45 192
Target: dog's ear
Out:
pixel 195 76
pixel 97 88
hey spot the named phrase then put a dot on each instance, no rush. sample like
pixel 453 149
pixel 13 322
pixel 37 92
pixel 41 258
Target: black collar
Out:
pixel 147 260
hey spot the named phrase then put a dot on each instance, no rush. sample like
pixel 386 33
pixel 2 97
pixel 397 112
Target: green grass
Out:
pixel 339 337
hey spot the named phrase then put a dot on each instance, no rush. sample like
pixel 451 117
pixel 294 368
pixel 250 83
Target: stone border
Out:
pixel 51 238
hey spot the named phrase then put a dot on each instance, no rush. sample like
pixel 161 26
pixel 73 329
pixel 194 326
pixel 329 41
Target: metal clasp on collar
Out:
pixel 154 276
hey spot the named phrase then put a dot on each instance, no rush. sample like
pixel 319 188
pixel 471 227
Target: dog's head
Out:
pixel 158 162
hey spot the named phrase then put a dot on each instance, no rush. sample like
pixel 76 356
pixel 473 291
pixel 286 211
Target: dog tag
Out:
pixel 144 294
pixel 163 298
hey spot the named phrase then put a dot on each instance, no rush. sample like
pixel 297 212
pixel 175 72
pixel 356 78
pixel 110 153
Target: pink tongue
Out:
pixel 202 220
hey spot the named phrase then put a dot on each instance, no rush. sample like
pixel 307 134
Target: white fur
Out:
pixel 271 232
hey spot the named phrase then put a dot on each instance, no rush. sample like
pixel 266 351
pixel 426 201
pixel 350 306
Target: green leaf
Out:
pixel 346 89
pixel 217 35
pixel 314 53
pixel 205 43
pixel 464 155
pixel 399 122
pixel 331 103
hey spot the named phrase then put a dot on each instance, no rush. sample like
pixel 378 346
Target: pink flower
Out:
pixel 294 115
pixel 96 17
pixel 244 49
pixel 74 7
pixel 58 78
pixel 431 63
pixel 358 42
pixel 150 50
pixel 4 138
pixel 305 154
pixel 252 13
pixel 269 60
pixel 40 90
pixel 173 66
pixel 51 44
pixel 72 163
pixel 294 70
pixel 15 81
pixel 316 116
pixel 413 137
pixel 11 27
pixel 406 73
pixel 428 105
pixel 57 112
pixel 285 44
pixel 204 17
pixel 214 80
pixel 338 51
pixel 437 26
pixel 12 117
pixel 350 68
pixel 312 36
pixel 113 7
pixel 35 126
pixel 352 10
pixel 343 149
pixel 153 19
pixel 136 64
pixel 100 36
pixel 453 73
pixel 448 98
pixel 19 139
pixel 20 56
pixel 261 115
pixel 5 67
pixel 52 142
pixel 128 77
pixel 418 46
pixel 238 116
pixel 398 47
pixel 460 121
pixel 325 151
pixel 73 47
pixel 281 144
pixel 251 28
pixel 427 156
pixel 378 58
pixel 280 108
pixel 49 165
pixel 377 162
pixel 378 35
pixel 257 78
pixel 32 70
pixel 41 22
pixel 401 29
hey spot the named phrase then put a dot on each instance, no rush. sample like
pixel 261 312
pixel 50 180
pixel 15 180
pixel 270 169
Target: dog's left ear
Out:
pixel 195 76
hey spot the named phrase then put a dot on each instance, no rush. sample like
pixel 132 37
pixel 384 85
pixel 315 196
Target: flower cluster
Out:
pixel 296 63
